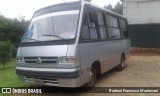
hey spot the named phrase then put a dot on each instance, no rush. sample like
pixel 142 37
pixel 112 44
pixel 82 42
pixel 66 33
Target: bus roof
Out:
pixel 60 4
pixel 79 2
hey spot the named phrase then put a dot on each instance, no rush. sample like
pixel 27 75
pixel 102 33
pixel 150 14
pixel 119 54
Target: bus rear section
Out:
pixel 104 43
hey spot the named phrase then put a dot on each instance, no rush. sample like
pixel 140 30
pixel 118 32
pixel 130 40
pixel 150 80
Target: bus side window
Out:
pixel 123 27
pixel 102 27
pixel 85 31
pixel 93 29
pixel 113 29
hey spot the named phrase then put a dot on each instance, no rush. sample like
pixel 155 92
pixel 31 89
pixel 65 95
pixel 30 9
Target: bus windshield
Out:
pixel 53 26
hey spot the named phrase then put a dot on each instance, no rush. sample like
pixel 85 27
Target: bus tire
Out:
pixel 121 66
pixel 93 77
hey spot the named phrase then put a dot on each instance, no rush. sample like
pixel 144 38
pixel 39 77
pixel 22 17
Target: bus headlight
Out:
pixel 20 60
pixel 71 60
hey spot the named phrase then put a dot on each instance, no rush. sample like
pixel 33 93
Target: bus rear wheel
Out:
pixel 121 66
pixel 92 77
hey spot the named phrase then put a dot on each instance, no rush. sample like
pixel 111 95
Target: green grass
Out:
pixel 8 77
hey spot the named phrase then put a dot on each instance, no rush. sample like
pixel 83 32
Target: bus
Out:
pixel 70 44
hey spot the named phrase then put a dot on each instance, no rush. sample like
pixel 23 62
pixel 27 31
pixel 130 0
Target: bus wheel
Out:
pixel 121 66
pixel 92 77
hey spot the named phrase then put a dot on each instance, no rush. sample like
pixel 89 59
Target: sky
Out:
pixel 19 8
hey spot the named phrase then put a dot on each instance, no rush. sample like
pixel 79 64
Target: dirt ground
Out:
pixel 142 70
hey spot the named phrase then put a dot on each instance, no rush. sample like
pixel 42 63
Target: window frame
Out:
pixel 86 12
pixel 104 25
pixel 104 12
pixel 126 24
pixel 85 23
pixel 96 25
pixel 113 27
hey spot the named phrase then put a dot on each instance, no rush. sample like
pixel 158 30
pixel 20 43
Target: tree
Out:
pixel 118 8
pixel 109 7
pixel 5 52
pixel 12 30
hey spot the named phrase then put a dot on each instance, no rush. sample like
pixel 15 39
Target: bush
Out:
pixel 14 51
pixel 5 52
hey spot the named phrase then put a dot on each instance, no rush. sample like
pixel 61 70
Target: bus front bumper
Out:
pixel 50 77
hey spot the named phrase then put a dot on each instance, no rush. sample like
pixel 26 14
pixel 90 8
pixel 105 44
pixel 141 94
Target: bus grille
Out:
pixel 48 60
pixel 46 81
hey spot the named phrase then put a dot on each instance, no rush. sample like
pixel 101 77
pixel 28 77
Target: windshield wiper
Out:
pixel 54 36
pixel 31 39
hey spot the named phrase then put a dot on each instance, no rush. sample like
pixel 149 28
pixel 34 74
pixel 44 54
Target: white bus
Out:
pixel 70 44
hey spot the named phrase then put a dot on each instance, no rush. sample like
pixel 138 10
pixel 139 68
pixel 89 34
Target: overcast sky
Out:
pixel 17 8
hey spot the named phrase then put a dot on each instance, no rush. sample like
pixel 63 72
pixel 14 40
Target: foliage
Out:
pixel 118 8
pixel 12 30
pixel 108 7
pixel 8 77
pixel 5 52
